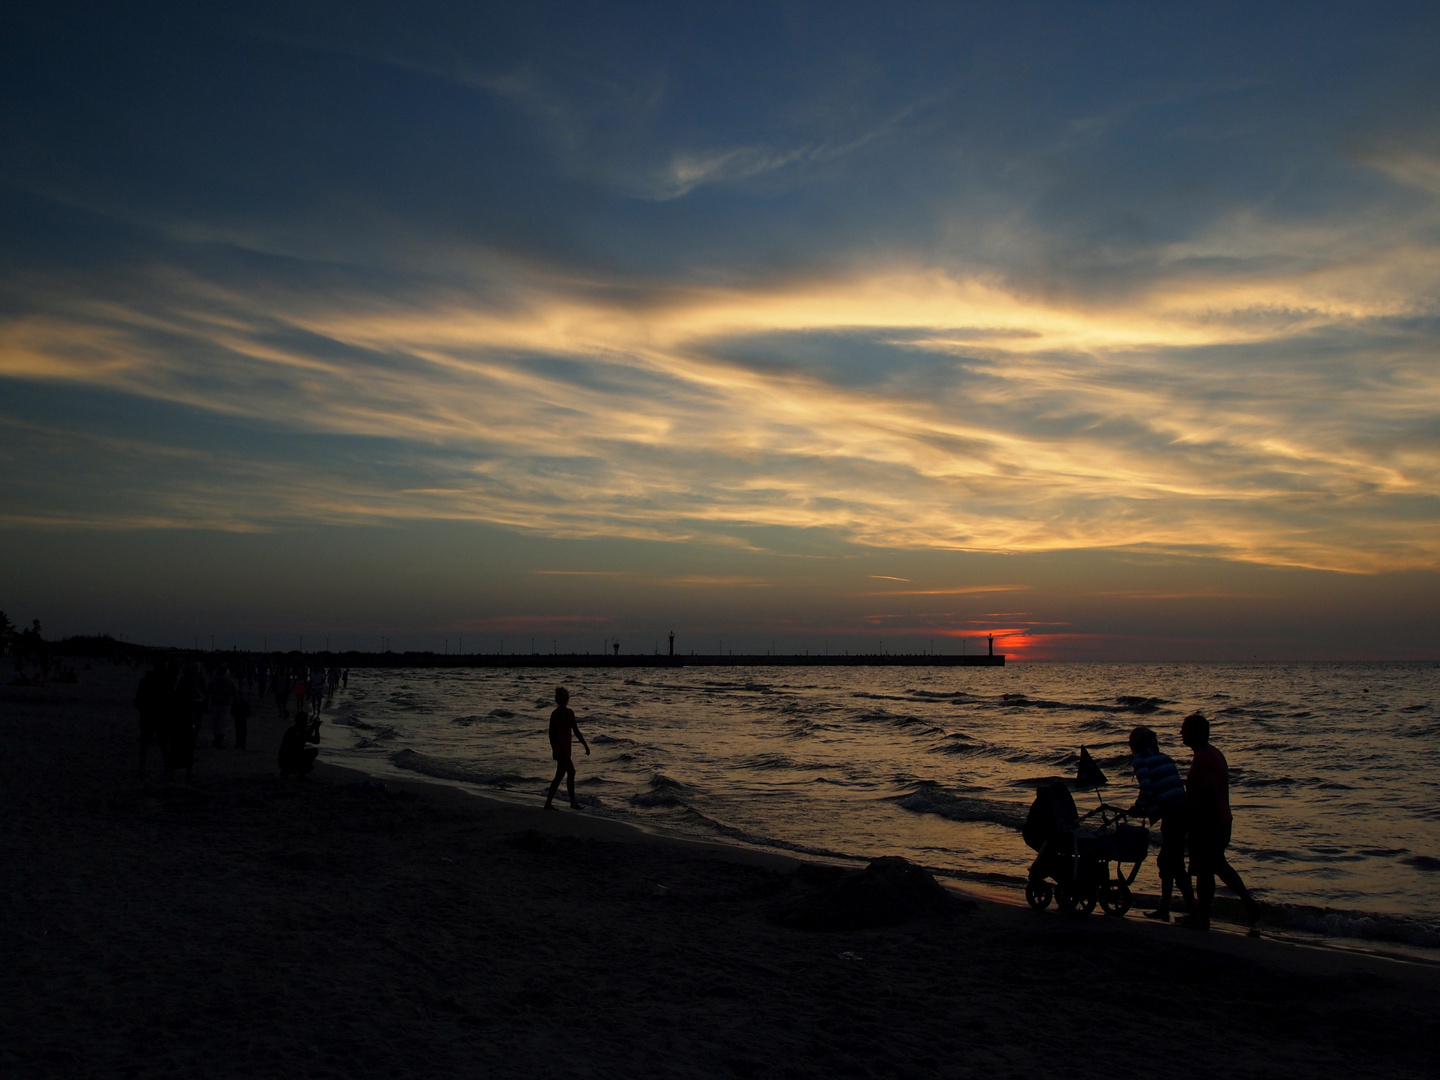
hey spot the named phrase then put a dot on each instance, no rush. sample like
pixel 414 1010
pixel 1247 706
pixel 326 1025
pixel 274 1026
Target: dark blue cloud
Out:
pixel 702 141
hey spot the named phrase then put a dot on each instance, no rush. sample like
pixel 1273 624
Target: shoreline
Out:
pixel 238 925
pixel 991 888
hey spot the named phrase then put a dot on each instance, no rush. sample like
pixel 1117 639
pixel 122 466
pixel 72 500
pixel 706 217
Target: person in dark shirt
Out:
pixel 180 722
pixel 1208 787
pixel 152 699
pixel 294 756
pixel 562 725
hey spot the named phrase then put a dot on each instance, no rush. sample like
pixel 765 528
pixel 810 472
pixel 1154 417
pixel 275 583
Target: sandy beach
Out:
pixel 239 925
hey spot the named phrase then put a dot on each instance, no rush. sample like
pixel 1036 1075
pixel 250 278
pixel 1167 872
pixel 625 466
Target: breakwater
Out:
pixel 650 660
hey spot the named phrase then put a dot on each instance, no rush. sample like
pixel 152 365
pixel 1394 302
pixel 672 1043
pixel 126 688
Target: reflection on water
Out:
pixel 1334 767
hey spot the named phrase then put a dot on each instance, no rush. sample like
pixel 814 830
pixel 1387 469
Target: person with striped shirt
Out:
pixel 1162 797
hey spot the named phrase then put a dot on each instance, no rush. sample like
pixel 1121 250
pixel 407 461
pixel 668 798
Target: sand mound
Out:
pixel 889 891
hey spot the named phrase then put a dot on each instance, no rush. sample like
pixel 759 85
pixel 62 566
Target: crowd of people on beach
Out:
pixel 176 699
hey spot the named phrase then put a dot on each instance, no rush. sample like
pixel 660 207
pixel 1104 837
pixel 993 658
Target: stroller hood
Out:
pixel 1052 814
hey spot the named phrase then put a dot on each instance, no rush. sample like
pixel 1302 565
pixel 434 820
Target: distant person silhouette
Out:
pixel 223 693
pixel 562 724
pixel 191 694
pixel 179 723
pixel 240 713
pixel 1162 797
pixel 280 690
pixel 1208 786
pixel 294 756
pixel 153 700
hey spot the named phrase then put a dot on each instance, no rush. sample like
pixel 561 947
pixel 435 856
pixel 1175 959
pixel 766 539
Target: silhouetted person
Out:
pixel 1162 797
pixel 562 724
pixel 294 756
pixel 280 690
pixel 1208 786
pixel 191 694
pixel 317 690
pixel 179 724
pixel 153 700
pixel 223 693
pixel 240 713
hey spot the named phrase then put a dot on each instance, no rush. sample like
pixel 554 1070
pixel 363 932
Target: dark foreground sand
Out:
pixel 240 926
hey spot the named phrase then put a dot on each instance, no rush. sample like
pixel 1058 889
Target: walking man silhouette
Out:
pixel 562 725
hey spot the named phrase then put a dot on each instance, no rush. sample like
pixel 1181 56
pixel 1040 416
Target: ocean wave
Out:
pixel 441 769
pixel 1134 704
pixel 901 721
pixel 1126 703
pixel 1034 782
pixel 651 799
pixel 378 735
pixel 1359 925
pixel 960 749
pixel 770 761
pixel 930 798
pixel 750 839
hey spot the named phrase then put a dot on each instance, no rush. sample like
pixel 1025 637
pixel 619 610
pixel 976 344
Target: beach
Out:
pixel 241 925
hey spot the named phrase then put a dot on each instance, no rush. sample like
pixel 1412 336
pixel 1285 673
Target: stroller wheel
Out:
pixel 1038 893
pixel 1068 899
pixel 1115 898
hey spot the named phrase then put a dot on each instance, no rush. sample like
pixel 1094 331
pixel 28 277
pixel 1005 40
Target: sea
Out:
pixel 1334 767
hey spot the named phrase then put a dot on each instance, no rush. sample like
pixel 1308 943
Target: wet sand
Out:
pixel 243 926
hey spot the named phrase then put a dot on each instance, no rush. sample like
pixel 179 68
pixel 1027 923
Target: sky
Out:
pixel 1107 329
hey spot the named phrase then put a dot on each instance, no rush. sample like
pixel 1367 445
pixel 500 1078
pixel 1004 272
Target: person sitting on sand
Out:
pixel 1208 786
pixel 295 757
pixel 562 724
pixel 1162 797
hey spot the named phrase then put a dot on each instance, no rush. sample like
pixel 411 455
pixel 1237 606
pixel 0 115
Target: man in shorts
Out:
pixel 562 725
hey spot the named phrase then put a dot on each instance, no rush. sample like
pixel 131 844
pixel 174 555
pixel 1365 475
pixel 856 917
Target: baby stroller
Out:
pixel 1076 856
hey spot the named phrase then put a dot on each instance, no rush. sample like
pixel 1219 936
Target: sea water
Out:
pixel 1334 768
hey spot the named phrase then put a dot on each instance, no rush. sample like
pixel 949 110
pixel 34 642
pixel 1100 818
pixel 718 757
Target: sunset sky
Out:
pixel 1111 329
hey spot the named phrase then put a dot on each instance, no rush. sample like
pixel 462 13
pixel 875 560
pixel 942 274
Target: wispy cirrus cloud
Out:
pixel 1175 422
pixel 531 274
